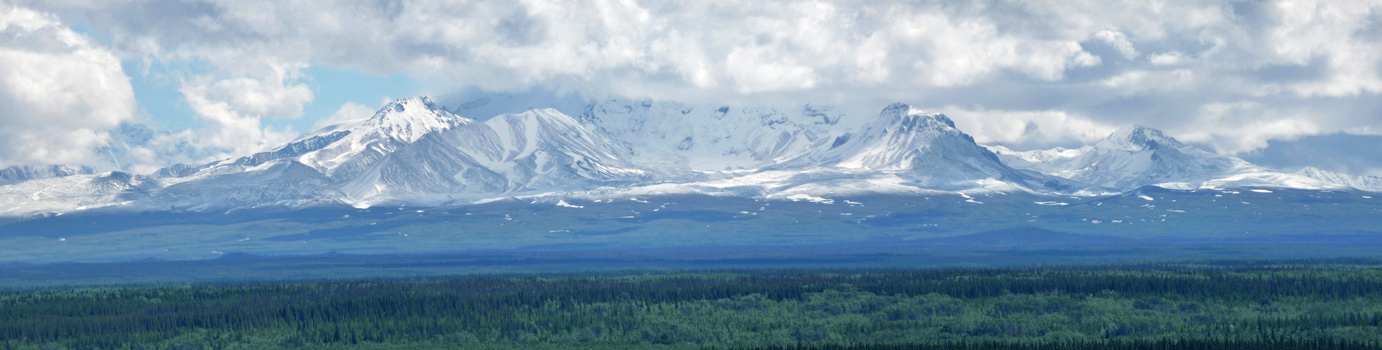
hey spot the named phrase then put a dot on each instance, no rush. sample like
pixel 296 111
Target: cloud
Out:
pixel 1141 81
pixel 1349 154
pixel 1234 128
pixel 1119 41
pixel 272 94
pixel 1167 58
pixel 229 130
pixel 59 91
pixel 349 111
pixel 1024 129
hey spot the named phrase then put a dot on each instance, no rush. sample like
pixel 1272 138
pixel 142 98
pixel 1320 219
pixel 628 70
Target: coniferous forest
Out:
pixel 1143 307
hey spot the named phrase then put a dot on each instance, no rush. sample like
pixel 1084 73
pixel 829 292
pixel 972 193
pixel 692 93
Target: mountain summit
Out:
pixel 923 147
pixel 1138 156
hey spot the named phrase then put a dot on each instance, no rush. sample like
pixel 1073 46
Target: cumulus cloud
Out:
pixel 273 94
pixel 59 91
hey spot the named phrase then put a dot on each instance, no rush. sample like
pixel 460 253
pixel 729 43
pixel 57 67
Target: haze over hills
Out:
pixel 414 152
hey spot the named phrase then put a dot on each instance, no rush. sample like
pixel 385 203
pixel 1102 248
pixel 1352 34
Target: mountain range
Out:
pixel 415 152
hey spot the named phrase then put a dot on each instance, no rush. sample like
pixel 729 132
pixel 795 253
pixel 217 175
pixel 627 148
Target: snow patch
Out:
pixel 563 203
pixel 806 197
pixel 1261 191
pixel 1052 203
pixel 1145 197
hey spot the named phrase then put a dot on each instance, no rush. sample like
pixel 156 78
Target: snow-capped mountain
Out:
pixel 540 150
pixel 711 138
pixel 1137 156
pixel 22 173
pixel 413 151
pixel 1366 183
pixel 60 194
pixel 924 148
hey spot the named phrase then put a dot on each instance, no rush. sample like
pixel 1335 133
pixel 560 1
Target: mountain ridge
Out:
pixel 413 151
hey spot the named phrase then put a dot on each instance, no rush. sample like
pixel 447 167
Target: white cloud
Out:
pixel 59 91
pixel 1027 127
pixel 1141 81
pixel 1119 41
pixel 962 51
pixel 1238 127
pixel 229 131
pixel 273 94
pixel 1326 28
pixel 1167 58
pixel 349 111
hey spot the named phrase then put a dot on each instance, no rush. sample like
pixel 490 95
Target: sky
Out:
pixel 1281 83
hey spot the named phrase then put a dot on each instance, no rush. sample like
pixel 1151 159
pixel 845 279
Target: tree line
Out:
pixel 1144 308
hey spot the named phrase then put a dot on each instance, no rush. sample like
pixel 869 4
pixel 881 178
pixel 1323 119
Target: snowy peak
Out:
pixel 1137 156
pixel 408 119
pixel 533 151
pixel 901 136
pixel 1366 183
pixel 21 173
pixel 906 118
pixel 924 148
pixel 1138 138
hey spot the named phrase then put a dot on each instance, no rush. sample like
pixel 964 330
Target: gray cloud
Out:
pixel 1352 154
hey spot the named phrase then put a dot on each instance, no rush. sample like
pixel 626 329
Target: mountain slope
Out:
pixel 73 192
pixel 21 173
pixel 925 148
pixel 541 150
pixel 1137 156
pixel 710 138
pixel 1366 183
pixel 413 151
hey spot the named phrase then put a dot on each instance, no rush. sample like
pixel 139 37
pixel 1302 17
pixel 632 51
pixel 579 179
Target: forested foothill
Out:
pixel 1317 305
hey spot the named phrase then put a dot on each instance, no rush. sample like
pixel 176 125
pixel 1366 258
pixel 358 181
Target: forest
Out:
pixel 1258 306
